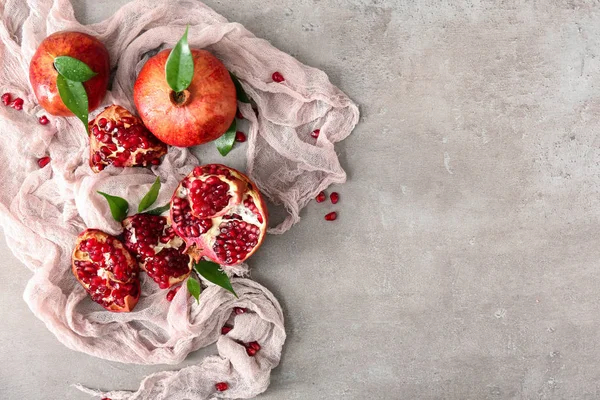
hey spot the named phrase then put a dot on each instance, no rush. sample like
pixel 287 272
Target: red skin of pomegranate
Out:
pixel 204 111
pixel 220 214
pixel 115 281
pixel 81 46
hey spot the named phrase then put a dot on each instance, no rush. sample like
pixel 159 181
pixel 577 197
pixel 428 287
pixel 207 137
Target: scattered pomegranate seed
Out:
pixel 331 216
pixel 42 162
pixel 44 120
pixel 320 197
pixel 254 345
pixel 239 310
pixel 17 104
pixel 105 398
pixel 225 330
pixel 172 293
pixel 221 386
pixel 335 197
pixel 239 115
pixel 6 98
pixel 315 133
pixel 240 136
pixel 250 351
pixel 277 77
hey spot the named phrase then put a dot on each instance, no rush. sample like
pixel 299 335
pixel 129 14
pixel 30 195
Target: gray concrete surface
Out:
pixel 464 264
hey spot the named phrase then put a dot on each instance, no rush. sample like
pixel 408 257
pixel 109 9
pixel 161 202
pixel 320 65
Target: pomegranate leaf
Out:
pixel 212 272
pixel 226 141
pixel 241 93
pixel 74 97
pixel 150 197
pixel 73 69
pixel 194 288
pixel 179 68
pixel 159 210
pixel 118 206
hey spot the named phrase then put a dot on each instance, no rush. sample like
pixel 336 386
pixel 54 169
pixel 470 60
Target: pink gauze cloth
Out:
pixel 43 210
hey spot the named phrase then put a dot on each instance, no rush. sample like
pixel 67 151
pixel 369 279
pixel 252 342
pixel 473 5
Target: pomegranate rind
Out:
pixel 120 117
pixel 237 211
pixel 174 243
pixel 80 255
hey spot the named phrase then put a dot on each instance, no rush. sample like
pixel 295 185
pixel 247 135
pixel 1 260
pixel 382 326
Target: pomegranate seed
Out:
pixel 331 216
pixel 17 104
pixel 335 197
pixel 42 162
pixel 320 197
pixel 239 310
pixel 172 293
pixel 254 345
pixel 315 133
pixel 239 114
pixel 6 98
pixel 44 120
pixel 225 330
pixel 240 136
pixel 277 77
pixel 250 351
pixel 221 386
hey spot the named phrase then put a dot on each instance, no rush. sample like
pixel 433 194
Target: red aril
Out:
pixel 335 197
pixel 240 136
pixel 172 293
pixel 220 214
pixel 42 162
pixel 106 270
pixel 320 197
pixel 221 386
pixel 225 330
pixel 331 216
pixel 277 77
pixel 6 98
pixel 119 138
pixel 315 133
pixel 43 120
pixel 159 251
pixel 17 104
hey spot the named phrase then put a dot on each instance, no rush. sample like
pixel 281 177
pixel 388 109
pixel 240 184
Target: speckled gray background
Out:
pixel 464 264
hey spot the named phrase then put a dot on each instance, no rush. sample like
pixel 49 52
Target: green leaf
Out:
pixel 75 98
pixel 194 288
pixel 241 93
pixel 180 65
pixel 212 272
pixel 73 69
pixel 226 141
pixel 118 206
pixel 150 197
pixel 159 210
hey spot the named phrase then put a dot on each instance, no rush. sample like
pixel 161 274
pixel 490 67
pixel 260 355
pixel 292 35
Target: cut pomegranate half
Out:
pixel 220 214
pixel 119 138
pixel 107 271
pixel 159 251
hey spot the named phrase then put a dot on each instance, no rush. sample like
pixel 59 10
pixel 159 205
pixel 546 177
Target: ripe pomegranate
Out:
pixel 81 46
pixel 159 251
pixel 220 214
pixel 119 138
pixel 199 114
pixel 107 271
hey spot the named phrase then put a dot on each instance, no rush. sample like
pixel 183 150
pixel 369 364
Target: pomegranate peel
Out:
pixel 220 214
pixel 106 270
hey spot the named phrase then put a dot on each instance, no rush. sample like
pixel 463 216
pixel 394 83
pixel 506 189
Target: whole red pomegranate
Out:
pixel 119 138
pixel 81 46
pixel 199 114
pixel 107 271
pixel 220 214
pixel 159 251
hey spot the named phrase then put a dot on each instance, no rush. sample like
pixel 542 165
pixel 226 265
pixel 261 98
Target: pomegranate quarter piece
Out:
pixel 106 270
pixel 81 46
pixel 159 251
pixel 119 138
pixel 220 214
pixel 199 114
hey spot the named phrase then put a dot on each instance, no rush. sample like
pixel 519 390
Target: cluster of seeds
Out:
pixel 334 197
